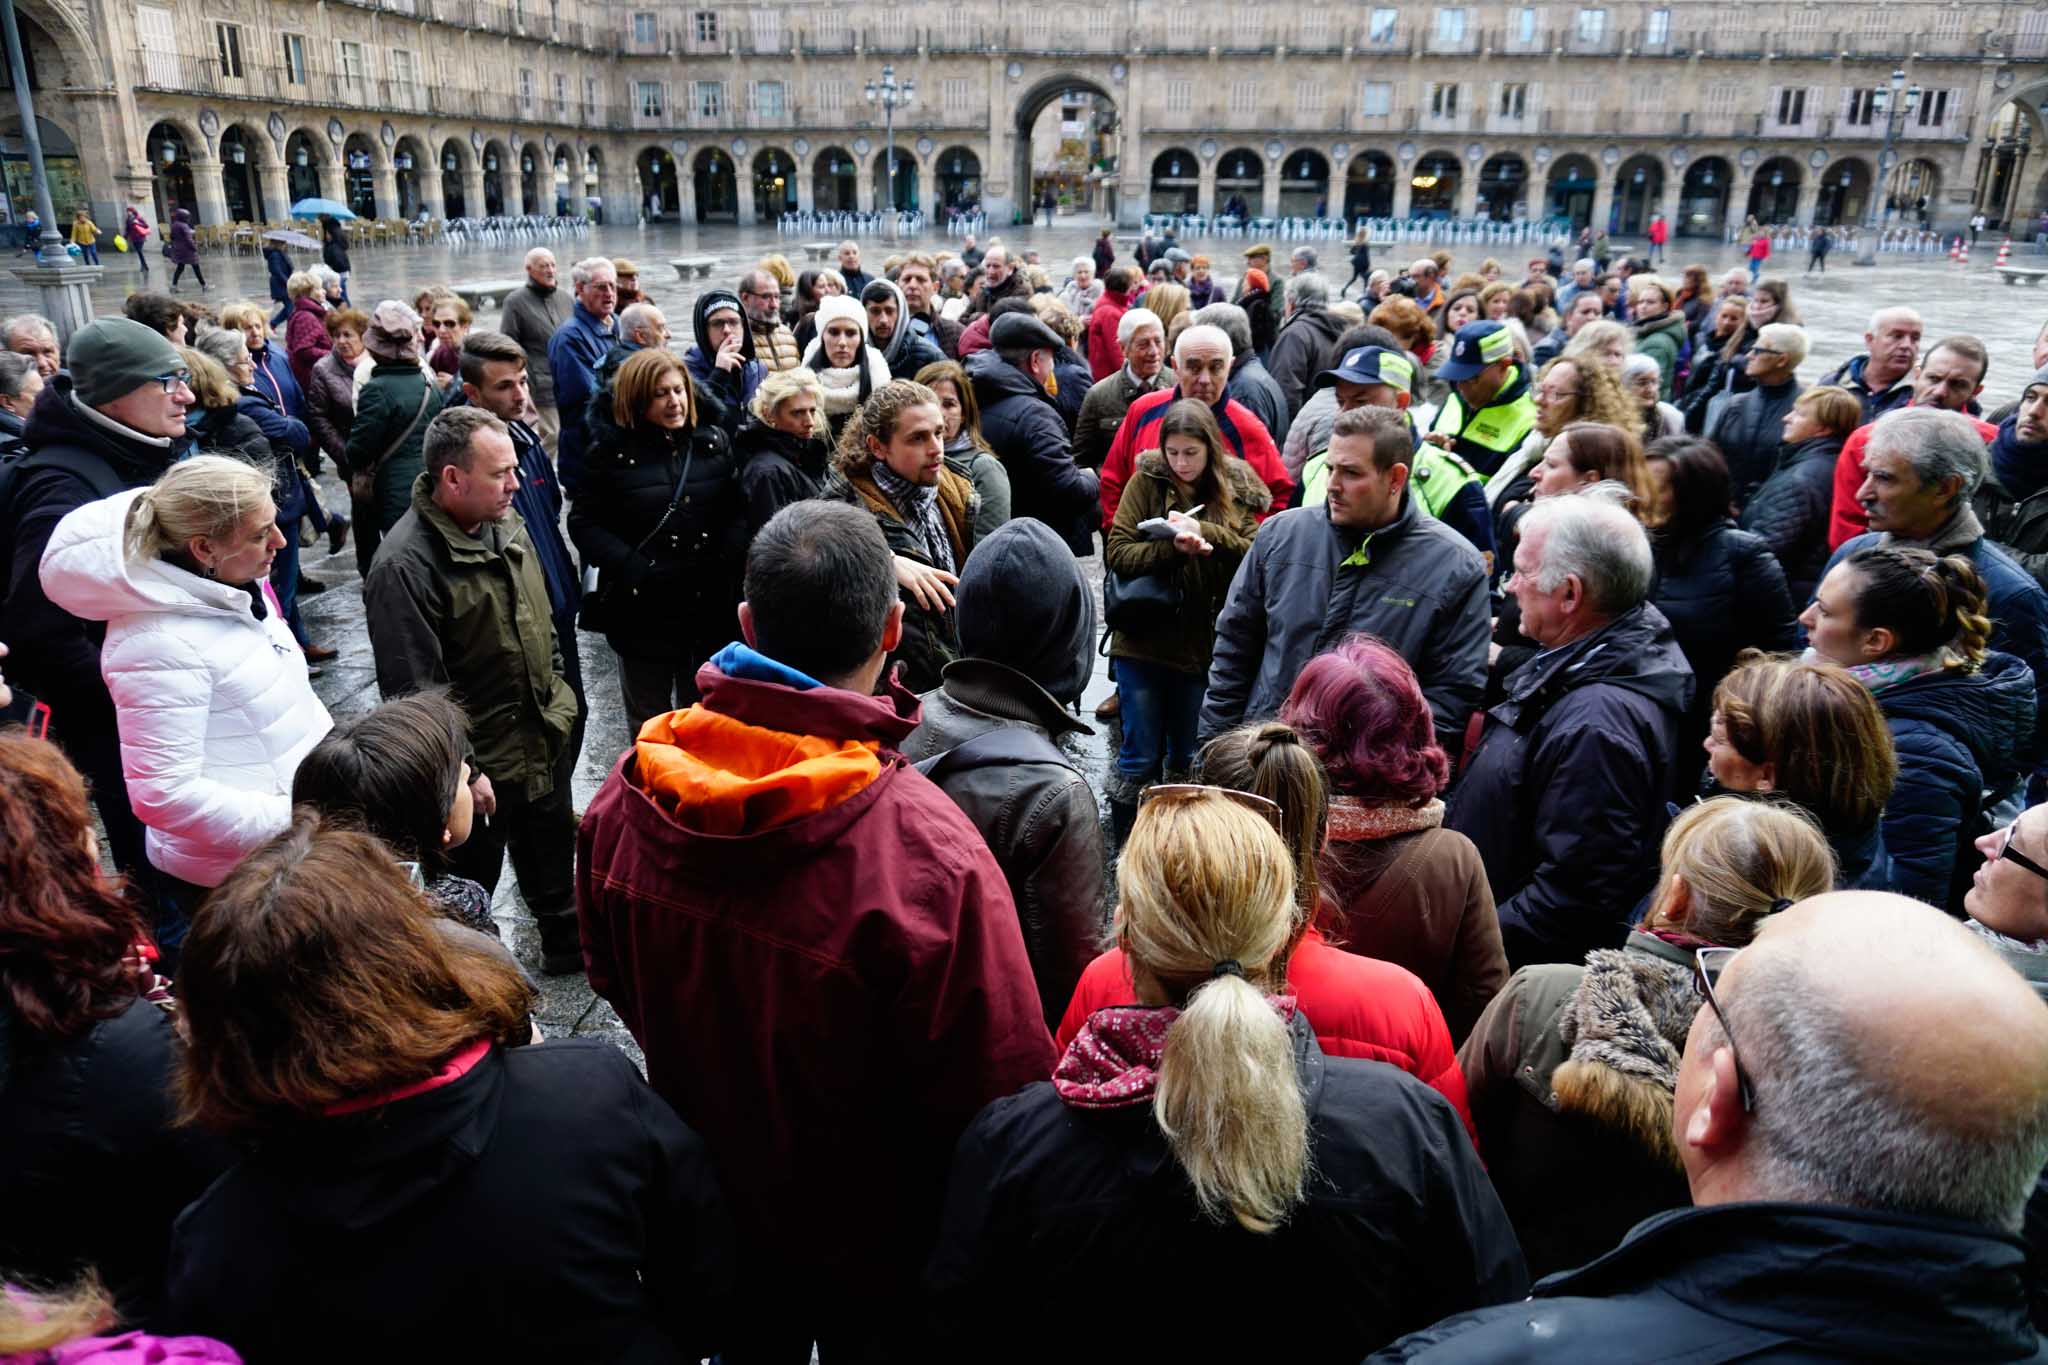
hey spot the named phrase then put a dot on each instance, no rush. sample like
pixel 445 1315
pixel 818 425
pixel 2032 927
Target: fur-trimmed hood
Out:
pixel 1625 1028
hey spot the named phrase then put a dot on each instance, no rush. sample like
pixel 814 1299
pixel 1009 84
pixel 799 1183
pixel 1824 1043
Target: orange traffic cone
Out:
pixel 2004 251
pixel 1955 249
pixel 1964 259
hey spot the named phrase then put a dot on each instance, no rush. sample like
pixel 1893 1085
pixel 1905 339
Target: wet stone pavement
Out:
pixel 1835 306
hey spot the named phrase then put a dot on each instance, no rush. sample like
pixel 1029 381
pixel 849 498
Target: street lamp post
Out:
pixel 1891 103
pixel 889 95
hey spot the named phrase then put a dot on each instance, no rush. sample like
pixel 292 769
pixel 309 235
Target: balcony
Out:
pixel 812 44
pixel 1394 42
pixel 660 42
pixel 955 39
pixel 896 40
pixel 1440 44
pixel 1507 42
pixel 1450 121
pixel 1604 43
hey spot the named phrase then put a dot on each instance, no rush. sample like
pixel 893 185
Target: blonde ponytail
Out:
pixel 1206 906
pixel 207 495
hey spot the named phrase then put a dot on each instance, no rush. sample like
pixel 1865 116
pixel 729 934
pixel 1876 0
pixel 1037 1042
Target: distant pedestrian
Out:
pixel 1817 250
pixel 136 229
pixel 85 235
pixel 1659 234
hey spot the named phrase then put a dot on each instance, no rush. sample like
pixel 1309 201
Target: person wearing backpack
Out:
pixel 989 738
pixel 115 420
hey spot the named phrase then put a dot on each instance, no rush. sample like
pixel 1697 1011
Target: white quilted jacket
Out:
pixel 214 706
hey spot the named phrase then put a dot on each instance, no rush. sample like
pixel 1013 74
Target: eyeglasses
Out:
pixel 1707 966
pixel 1267 810
pixel 1765 350
pixel 2007 853
pixel 172 380
pixel 763 293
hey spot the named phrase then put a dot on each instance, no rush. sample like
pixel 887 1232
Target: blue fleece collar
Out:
pixel 741 660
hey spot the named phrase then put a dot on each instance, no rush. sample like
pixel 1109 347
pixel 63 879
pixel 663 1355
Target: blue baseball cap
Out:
pixel 1478 344
pixel 1372 365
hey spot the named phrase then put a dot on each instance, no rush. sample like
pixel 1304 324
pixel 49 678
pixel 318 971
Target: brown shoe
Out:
pixel 320 654
pixel 1107 707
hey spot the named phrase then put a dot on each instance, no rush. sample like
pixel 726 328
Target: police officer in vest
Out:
pixel 1489 410
pixel 1444 483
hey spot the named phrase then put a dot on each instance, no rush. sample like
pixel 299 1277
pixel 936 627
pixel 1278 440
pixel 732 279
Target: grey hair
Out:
pixel 26 322
pixel 752 279
pixel 1308 287
pixel 15 368
pixel 1788 337
pixel 1877 318
pixel 1200 332
pixel 540 253
pixel 1084 263
pixel 1134 318
pixel 1232 320
pixel 1940 445
pixel 1593 536
pixel 325 274
pixel 1586 261
pixel 1831 1127
pixel 230 348
pixel 1303 253
pixel 589 268
pixel 639 317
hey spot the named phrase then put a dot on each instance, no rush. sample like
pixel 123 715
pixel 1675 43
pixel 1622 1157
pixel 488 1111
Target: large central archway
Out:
pixel 1086 144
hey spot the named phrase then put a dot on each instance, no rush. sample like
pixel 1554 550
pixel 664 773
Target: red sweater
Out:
pixel 1104 355
pixel 1246 434
pixel 1359 1007
pixel 1846 518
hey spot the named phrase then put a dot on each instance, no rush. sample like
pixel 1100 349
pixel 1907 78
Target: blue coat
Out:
pixel 275 379
pixel 573 353
pixel 1956 735
pixel 281 271
pixel 2019 618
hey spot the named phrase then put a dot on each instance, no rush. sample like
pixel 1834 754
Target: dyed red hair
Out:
pixel 1362 712
pixel 64 928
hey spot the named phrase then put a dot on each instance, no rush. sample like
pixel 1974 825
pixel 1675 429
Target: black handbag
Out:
pixel 1140 605
pixel 594 615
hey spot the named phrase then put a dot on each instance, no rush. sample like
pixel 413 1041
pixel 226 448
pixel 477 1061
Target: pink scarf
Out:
pixel 1352 821
pixel 1113 1061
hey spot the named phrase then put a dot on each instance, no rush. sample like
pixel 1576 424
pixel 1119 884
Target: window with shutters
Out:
pixel 1443 101
pixel 294 58
pixel 1724 97
pixel 1180 96
pixel 1244 97
pixel 1248 27
pixel 1933 111
pixel 1183 26
pixel 526 90
pixel 649 99
pixel 1590 28
pixel 1382 26
pixel 1646 94
pixel 1315 28
pixel 1657 30
pixel 1877 21
pixel 959 28
pixel 771 103
pixel 710 101
pixel 352 66
pixel 646 30
pixel 1582 95
pixel 1102 30
pixel 1791 106
pixel 590 97
pixel 955 93
pixel 1514 99
pixel 1861 108
pixel 2032 38
pixel 1450 26
pixel 767 27
pixel 1947 23
pixel 228 38
pixel 831 30
pixel 561 86
pixel 831 96
pixel 893 28
pixel 1375 99
pixel 1804 23
pixel 705 25
pixel 404 72
pixel 1524 26
pixel 1308 98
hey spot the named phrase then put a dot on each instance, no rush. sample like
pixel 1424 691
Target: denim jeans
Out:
pixel 1160 710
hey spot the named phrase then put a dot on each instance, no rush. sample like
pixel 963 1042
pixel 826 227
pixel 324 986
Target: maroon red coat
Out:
pixel 1104 355
pixel 828 998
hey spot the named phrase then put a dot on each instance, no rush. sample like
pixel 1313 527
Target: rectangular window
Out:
pixel 352 65
pixel 767 25
pixel 1877 22
pixel 1524 26
pixel 1948 24
pixel 1183 26
pixel 1804 22
pixel 770 102
pixel 831 96
pixel 1308 98
pixel 1381 26
pixel 1514 100
pixel 294 58
pixel 959 28
pixel 1583 95
pixel 590 97
pixel 1315 28
pixel 1724 98
pixel 1862 108
pixel 649 99
pixel 1591 27
pixel 526 88
pixel 1933 108
pixel 403 73
pixel 1244 97
pixel 1180 96
pixel 1375 99
pixel 2032 39
pixel 1101 27
pixel 831 30
pixel 705 23
pixel 646 30
pixel 1443 101
pixel 561 88
pixel 1248 29
pixel 228 37
pixel 893 28
pixel 1657 32
pixel 954 93
pixel 710 99
pixel 1792 106
pixel 1450 26
pixel 1646 94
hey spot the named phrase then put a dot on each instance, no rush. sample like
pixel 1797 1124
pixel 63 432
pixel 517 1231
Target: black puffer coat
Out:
pixel 1710 375
pixel 1790 512
pixel 93 1165
pixel 1400 1227
pixel 1026 431
pixel 1749 427
pixel 1567 791
pixel 673 597
pixel 777 469
pixel 1723 592
pixel 1958 737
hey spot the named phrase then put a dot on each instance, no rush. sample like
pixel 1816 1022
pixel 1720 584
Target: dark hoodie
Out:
pixel 1567 788
pixel 730 389
pixel 777 469
pixel 181 246
pixel 1023 426
pixel 454 1213
pixel 1957 735
pixel 2011 503
pixel 910 349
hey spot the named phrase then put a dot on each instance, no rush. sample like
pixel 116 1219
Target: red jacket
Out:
pixel 1760 247
pixel 1846 517
pixel 1660 232
pixel 1140 432
pixel 1104 355
pixel 306 338
pixel 821 959
pixel 1359 1007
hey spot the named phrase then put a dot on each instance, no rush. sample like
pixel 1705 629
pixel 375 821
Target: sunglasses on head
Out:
pixel 1269 811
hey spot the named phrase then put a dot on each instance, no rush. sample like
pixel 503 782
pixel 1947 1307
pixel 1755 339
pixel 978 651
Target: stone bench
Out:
pixel 2014 274
pixel 483 294
pixel 820 251
pixel 697 265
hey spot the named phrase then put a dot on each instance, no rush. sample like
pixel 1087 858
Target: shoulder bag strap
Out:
pixel 426 392
pixel 673 503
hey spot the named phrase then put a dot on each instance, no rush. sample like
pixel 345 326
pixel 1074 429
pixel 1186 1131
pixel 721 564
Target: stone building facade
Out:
pixel 1600 111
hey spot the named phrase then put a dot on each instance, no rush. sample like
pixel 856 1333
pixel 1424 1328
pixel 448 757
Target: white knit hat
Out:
pixel 842 306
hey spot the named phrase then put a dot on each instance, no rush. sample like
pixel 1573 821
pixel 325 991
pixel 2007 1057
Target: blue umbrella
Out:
pixel 313 208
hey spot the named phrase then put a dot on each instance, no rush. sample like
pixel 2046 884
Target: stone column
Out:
pixel 864 182
pixel 1468 190
pixel 1667 203
pixel 384 184
pixel 1205 193
pixel 743 183
pixel 806 190
pixel 1603 201
pixel 473 189
pixel 207 188
pixel 1269 192
pixel 1809 197
pixel 333 185
pixel 1404 190
pixel 276 188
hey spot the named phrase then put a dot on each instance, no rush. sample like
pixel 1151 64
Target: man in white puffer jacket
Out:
pixel 211 694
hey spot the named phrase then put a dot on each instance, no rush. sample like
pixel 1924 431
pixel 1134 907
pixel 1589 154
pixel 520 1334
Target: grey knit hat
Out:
pixel 2040 377
pixel 112 357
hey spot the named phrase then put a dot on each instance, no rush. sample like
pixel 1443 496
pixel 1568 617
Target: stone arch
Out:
pixel 1703 197
pixel 1503 186
pixel 306 153
pixel 1638 191
pixel 717 186
pixel 533 164
pixel 1433 187
pixel 660 192
pixel 412 169
pixel 1030 102
pixel 242 159
pixel 1774 190
pixel 1571 185
pixel 1241 182
pixel 905 179
pixel 1305 184
pixel 774 184
pixel 2011 154
pixel 172 146
pixel 1369 186
pixel 1176 182
pixel 498 169
pixel 834 181
pixel 1844 197
pixel 454 160
pixel 361 159
pixel 958 179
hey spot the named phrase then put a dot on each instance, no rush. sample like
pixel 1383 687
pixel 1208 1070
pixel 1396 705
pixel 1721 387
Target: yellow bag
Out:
pixel 120 242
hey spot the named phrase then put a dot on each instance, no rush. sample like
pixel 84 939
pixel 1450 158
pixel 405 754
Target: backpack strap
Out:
pixel 990 748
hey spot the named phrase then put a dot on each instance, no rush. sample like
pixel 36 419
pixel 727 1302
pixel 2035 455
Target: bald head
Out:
pixel 1897 1065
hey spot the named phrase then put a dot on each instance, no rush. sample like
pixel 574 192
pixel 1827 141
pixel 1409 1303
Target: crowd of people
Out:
pixel 1576 823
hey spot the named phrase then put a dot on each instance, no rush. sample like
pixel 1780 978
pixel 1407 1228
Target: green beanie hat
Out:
pixel 112 357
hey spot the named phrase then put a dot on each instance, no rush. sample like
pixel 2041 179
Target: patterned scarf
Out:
pixel 1113 1061
pixel 1353 821
pixel 1885 673
pixel 919 503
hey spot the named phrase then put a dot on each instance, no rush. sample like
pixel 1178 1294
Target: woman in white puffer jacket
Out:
pixel 210 690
